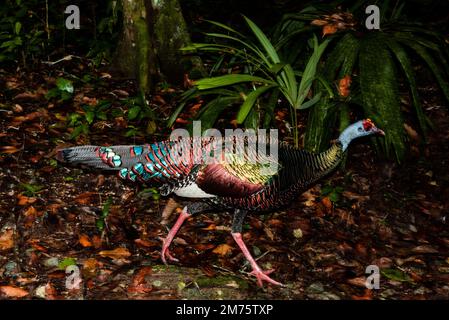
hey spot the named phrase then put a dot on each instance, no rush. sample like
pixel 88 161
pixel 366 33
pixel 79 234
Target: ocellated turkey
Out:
pixel 228 185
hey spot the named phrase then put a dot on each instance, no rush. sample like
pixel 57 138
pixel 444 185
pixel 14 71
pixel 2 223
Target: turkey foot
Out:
pixel 260 274
pixel 171 234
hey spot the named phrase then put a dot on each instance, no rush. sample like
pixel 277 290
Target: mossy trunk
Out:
pixel 171 35
pixel 135 57
pixel 153 33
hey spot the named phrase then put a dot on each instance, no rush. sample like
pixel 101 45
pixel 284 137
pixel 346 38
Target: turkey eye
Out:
pixel 360 129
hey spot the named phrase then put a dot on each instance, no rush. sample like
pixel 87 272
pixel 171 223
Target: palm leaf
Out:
pixel 229 79
pixel 213 109
pixel 404 61
pixel 436 70
pixel 248 104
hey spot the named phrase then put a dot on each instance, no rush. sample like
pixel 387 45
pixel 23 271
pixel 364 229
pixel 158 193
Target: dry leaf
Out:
pixel 310 202
pixel 269 233
pixel 329 29
pixel 7 240
pixel 13 292
pixel 9 149
pixel 118 253
pixel 31 211
pixel 35 244
pixel 368 295
pixel 344 85
pixel 97 242
pixel 85 198
pixel 275 223
pixel 326 201
pixel 139 284
pixel 146 243
pixel 24 200
pixel 318 22
pixel 223 249
pixel 352 196
pixel 359 282
pixel 203 246
pixel 27 96
pixel 411 132
pixel 168 210
pixel 424 249
pixel 85 241
pixel 50 292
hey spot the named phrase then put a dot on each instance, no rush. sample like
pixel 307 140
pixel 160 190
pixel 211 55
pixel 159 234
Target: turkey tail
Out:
pixel 83 155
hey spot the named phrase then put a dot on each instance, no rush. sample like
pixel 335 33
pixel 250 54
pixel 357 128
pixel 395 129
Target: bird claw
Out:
pixel 165 252
pixel 262 275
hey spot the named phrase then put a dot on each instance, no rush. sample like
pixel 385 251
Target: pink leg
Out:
pixel 171 234
pixel 257 271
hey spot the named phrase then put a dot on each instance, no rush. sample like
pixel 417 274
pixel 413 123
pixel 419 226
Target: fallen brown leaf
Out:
pixel 223 249
pixel 329 29
pixel 24 200
pixel 7 240
pixel 411 132
pixel 85 198
pixel 359 282
pixel 139 284
pixel 85 241
pixel 50 292
pixel 344 85
pixel 424 249
pixel 13 292
pixel 9 149
pixel 96 241
pixel 118 253
pixel 367 296
pixel 326 201
pixel 146 243
pixel 168 210
pixel 318 22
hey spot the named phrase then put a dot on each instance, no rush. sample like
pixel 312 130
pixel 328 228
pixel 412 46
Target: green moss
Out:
pixel 204 281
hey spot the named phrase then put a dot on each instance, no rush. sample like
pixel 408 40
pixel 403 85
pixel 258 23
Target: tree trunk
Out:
pixel 153 33
pixel 135 57
pixel 171 35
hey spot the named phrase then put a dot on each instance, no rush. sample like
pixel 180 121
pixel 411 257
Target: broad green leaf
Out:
pixel 436 70
pixel 311 102
pixel 134 112
pixel 310 70
pixel 90 115
pixel 250 99
pixel 102 115
pixel 66 262
pixel 244 43
pixel 17 27
pixel 396 275
pixel 213 109
pixel 264 41
pixel 226 80
pixel 64 85
pixel 106 208
pixel 221 25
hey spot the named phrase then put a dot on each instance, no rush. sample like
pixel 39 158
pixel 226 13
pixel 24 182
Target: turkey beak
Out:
pixel 380 132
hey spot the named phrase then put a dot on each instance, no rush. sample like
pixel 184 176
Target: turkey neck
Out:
pixel 305 168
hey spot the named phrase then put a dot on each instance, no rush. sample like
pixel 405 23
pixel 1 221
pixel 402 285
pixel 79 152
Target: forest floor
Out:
pixel 54 218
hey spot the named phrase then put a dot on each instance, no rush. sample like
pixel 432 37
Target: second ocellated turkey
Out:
pixel 228 185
